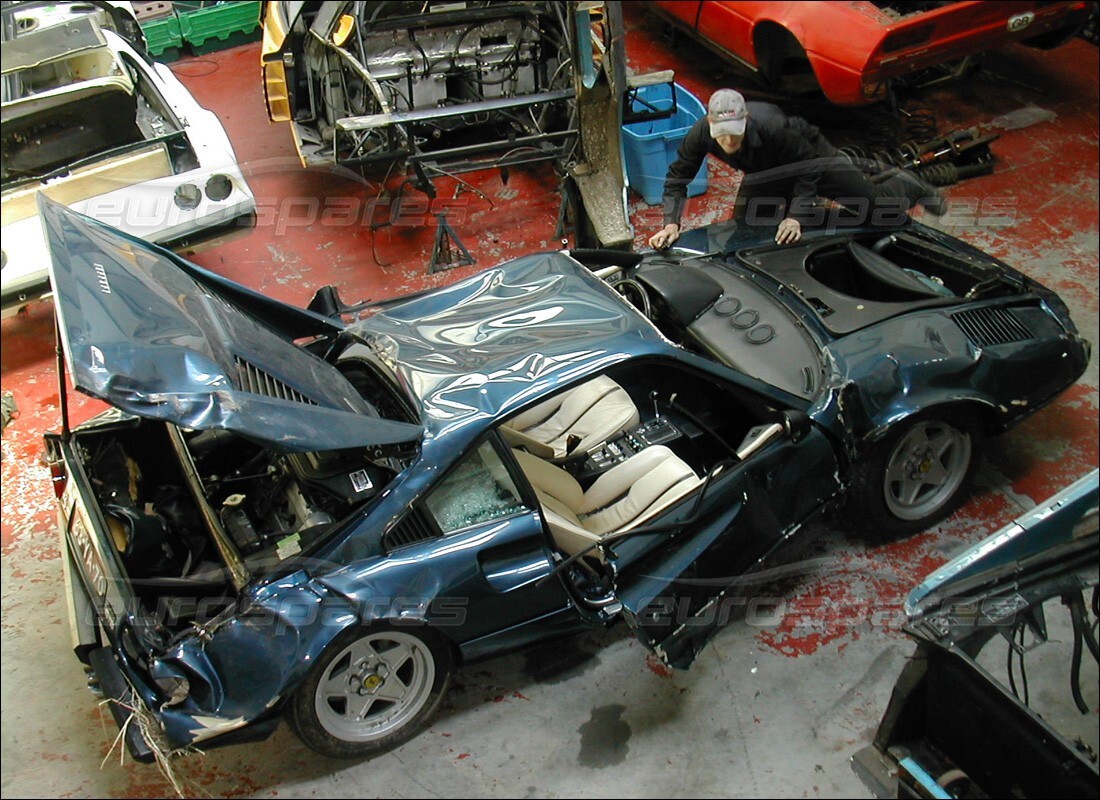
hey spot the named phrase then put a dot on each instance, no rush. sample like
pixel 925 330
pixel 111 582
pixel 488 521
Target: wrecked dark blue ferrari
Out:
pixel 319 513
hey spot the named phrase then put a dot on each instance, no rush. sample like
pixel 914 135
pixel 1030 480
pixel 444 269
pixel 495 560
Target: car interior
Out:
pixel 629 460
pixel 574 421
pixel 603 457
pixel 96 104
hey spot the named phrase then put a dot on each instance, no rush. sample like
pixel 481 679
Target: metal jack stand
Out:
pixel 448 251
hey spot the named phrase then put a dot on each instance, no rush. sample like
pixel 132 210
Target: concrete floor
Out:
pixel 774 707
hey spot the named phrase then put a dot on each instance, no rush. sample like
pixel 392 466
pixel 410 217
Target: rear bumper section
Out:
pixel 194 241
pixel 12 301
pixel 121 700
pixel 213 236
pixel 955 39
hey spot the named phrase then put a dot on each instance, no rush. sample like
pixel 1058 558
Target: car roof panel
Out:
pixel 483 347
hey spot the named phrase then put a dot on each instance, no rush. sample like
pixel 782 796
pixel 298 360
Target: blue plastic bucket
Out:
pixel 650 147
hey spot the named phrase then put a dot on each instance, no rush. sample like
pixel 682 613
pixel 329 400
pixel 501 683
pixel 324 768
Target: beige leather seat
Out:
pixel 587 416
pixel 622 498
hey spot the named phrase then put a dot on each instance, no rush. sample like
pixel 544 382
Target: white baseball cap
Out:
pixel 727 113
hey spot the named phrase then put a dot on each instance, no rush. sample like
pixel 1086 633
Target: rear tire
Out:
pixel 918 475
pixel 782 62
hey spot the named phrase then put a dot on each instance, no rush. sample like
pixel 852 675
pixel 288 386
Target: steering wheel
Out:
pixel 635 294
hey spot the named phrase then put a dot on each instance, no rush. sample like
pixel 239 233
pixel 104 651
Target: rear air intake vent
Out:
pixel 255 380
pixel 986 327
pixel 415 527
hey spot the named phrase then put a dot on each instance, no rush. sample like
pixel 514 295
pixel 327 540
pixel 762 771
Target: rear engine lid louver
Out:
pixel 986 327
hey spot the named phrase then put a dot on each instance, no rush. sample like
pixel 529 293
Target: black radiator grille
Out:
pixel 255 380
pixel 989 326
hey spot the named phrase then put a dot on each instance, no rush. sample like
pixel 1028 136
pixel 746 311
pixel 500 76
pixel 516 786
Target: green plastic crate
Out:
pixel 163 37
pixel 221 25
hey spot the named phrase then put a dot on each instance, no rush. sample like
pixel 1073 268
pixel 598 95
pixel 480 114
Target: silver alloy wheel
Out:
pixel 925 469
pixel 375 686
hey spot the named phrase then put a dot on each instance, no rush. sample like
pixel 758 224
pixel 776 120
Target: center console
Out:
pixel 658 430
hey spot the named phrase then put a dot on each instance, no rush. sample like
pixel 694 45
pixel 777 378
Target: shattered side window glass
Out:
pixel 477 490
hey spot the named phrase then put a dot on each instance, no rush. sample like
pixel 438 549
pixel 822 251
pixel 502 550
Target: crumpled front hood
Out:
pixel 160 338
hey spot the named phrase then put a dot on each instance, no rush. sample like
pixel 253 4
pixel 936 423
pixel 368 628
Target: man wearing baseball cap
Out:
pixel 788 164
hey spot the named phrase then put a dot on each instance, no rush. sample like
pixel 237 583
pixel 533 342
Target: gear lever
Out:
pixel 656 408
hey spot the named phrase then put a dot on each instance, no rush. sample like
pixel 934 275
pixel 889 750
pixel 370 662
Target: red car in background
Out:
pixel 853 49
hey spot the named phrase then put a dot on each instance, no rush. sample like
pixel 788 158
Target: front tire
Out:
pixel 918 475
pixel 373 689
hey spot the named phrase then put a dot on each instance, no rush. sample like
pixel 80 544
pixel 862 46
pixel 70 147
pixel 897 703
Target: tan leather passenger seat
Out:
pixel 622 498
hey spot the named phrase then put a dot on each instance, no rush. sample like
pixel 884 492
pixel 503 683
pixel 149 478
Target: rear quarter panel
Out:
pixel 843 41
pixel 921 361
pixel 965 28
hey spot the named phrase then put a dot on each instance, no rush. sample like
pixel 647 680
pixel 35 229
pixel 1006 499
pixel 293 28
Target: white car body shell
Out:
pixel 141 205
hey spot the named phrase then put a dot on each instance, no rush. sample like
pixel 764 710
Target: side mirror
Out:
pixel 797 424
pixel 759 437
pixel 327 302
pixel 794 425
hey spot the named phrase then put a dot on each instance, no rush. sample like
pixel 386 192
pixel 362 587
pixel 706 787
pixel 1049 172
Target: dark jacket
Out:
pixel 772 141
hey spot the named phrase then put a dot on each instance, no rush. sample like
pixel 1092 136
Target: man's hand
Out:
pixel 789 231
pixel 665 237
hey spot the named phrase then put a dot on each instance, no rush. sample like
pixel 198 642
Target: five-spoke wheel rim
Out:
pixel 925 469
pixel 375 686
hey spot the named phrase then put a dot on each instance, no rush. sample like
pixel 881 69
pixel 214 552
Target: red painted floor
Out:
pixel 1038 211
